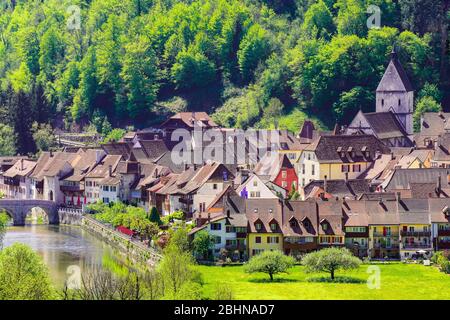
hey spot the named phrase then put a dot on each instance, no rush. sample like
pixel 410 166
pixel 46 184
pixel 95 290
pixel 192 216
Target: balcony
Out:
pixel 234 247
pixel 186 201
pixel 241 235
pixel 443 232
pixel 443 245
pixel 386 235
pixel 67 188
pixel 416 246
pixel 415 233
pixel 11 181
pixel 385 246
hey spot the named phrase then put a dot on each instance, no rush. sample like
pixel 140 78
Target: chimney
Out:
pixel 21 164
pixel 110 170
pixel 156 173
pixel 392 155
pixel 228 213
pixel 325 184
pixel 398 196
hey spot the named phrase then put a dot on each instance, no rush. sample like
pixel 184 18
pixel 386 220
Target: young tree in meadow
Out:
pixel 330 260
pixel 270 262
pixel 23 275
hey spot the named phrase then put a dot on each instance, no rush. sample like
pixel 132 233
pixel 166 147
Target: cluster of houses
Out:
pixel 373 186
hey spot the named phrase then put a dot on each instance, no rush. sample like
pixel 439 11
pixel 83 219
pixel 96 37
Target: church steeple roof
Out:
pixel 395 77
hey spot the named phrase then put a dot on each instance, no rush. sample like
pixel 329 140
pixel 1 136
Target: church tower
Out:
pixel 395 94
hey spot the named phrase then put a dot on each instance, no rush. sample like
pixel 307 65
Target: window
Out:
pixel 217 240
pixel 230 229
pixel 257 251
pixel 399 102
pixel 216 226
pixel 273 226
pixel 258 226
pixel 293 223
pixel 303 168
pixel 231 242
pixel 345 168
pixel 105 200
pixel 284 173
pixel 313 169
pixel 284 184
pixel 356 168
pixel 303 181
pixel 382 102
pixel 273 240
pixel 255 183
pixel 309 156
pixel 113 188
pixel 215 186
pixel 257 239
pixel 257 194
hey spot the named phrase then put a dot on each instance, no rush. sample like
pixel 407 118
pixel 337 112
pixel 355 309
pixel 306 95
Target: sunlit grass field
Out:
pixel 398 281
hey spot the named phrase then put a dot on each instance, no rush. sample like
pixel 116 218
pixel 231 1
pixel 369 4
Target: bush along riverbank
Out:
pixel 135 251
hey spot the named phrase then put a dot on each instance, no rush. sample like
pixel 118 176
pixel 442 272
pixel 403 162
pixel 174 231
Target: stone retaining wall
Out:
pixel 134 250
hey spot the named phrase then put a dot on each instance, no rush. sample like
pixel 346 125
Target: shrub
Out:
pixel 223 292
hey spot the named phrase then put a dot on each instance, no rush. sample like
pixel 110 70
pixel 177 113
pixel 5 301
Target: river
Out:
pixel 62 248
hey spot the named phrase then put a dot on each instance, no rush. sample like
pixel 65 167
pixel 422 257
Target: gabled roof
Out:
pixel 402 178
pixel 328 148
pixel 264 210
pixel 271 164
pixel 21 168
pixel 442 149
pixel 395 77
pixel 190 119
pixel 304 213
pixel 338 188
pixel 101 170
pixel 385 125
pixel 330 212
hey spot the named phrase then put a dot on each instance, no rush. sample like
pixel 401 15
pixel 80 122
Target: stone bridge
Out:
pixel 18 209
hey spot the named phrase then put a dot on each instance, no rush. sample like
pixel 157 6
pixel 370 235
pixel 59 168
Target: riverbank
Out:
pixel 135 251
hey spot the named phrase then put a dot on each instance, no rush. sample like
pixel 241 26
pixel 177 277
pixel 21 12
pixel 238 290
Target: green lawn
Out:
pixel 398 281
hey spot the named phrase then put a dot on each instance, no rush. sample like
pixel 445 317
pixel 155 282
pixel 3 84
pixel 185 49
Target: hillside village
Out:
pixel 372 186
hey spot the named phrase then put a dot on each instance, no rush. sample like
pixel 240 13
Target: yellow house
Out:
pixel 265 222
pixel 338 157
pixel 384 241
pixel 259 242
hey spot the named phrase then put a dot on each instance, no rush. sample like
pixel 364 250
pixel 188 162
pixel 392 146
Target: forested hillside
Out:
pixel 114 63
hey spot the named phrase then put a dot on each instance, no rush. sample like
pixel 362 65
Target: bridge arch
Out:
pixel 18 209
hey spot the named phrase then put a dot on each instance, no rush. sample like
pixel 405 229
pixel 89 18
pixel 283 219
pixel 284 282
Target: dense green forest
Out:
pixel 100 64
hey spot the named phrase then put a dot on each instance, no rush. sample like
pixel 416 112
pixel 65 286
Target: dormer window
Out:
pixel 324 226
pixel 273 226
pixel 351 152
pixel 293 222
pixel 258 226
